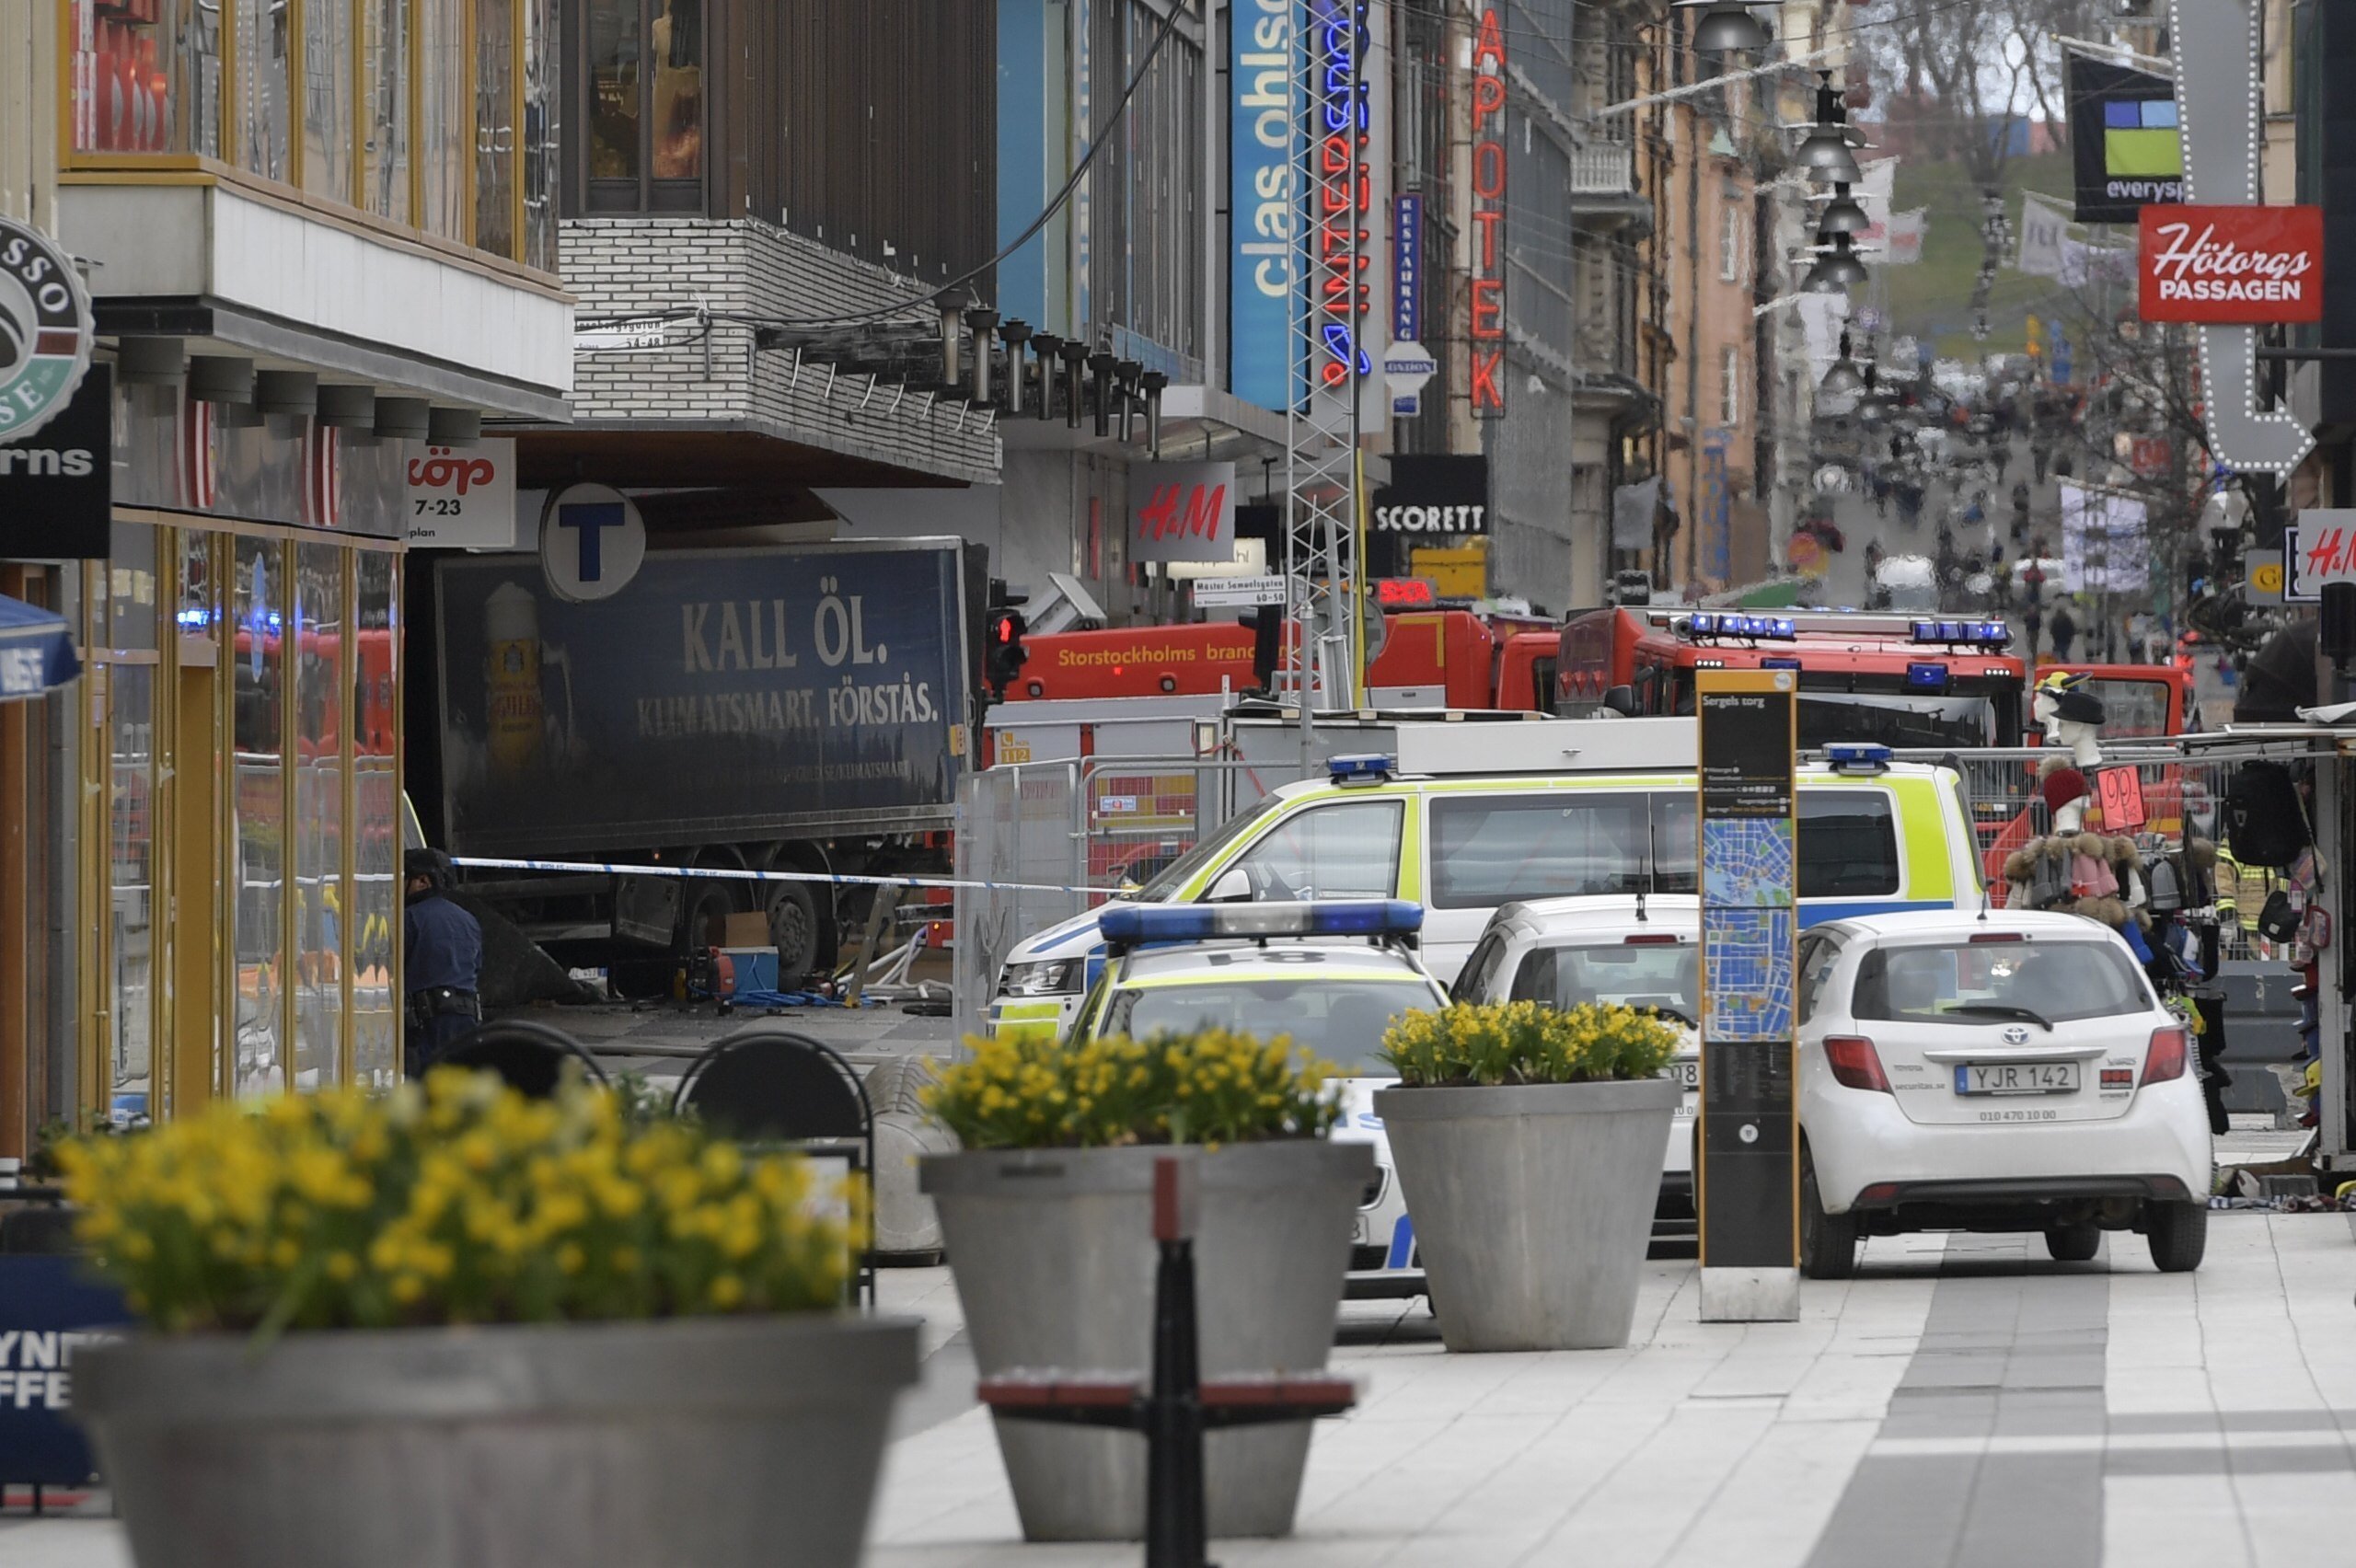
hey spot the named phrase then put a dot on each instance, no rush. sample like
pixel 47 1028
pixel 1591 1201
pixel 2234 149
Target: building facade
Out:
pixel 312 237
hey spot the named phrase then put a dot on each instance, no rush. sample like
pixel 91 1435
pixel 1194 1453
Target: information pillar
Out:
pixel 1746 1172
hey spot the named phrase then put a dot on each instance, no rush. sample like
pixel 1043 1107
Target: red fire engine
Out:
pixel 1898 680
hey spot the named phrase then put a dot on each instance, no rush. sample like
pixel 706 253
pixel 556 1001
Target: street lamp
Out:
pixel 1725 27
pixel 1838 266
pixel 1842 214
pixel 1844 378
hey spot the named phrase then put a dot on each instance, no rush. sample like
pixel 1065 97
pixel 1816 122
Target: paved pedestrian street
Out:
pixel 1965 1402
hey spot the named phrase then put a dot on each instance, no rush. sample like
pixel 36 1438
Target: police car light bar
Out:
pixel 1136 925
pixel 1981 633
pixel 1365 769
pixel 1851 757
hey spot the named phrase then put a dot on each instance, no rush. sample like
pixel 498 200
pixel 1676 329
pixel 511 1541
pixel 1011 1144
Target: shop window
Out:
pixel 130 587
pixel 376 907
pixel 264 108
pixel 130 903
pixel 328 117
pixel 258 815
pixel 384 155
pixel 315 655
pixel 644 81
pixel 147 76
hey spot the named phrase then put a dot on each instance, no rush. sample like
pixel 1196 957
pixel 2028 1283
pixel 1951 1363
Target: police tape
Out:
pixel 726 873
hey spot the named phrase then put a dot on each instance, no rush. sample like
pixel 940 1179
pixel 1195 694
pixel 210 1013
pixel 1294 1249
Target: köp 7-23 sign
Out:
pixel 2232 266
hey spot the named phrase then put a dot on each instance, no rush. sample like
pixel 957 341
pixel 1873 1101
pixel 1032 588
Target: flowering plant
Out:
pixel 1504 1043
pixel 459 1202
pixel 1032 1090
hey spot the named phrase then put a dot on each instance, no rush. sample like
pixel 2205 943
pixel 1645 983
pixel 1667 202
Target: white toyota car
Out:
pixel 2008 1072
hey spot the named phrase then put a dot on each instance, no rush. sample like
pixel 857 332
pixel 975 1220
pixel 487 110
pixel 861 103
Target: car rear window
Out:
pixel 1664 976
pixel 1977 983
pixel 1489 850
pixel 1341 1021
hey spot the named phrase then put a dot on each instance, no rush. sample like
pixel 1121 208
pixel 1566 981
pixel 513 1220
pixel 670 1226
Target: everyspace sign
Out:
pixel 2234 266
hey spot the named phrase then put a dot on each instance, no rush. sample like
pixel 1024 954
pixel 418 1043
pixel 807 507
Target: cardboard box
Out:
pixel 750 968
pixel 748 929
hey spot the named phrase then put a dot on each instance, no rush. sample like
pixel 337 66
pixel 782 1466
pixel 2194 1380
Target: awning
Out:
pixel 36 651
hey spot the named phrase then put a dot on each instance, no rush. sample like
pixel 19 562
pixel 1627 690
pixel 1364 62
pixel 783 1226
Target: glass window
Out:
pixel 1848 845
pixel 1341 1021
pixel 614 54
pixel 262 86
pixel 1983 983
pixel 646 104
pixel 542 82
pixel 2133 709
pixel 1817 957
pixel 328 104
pixel 1175 875
pixel 1890 720
pixel 1472 980
pixel 318 652
pixel 130 587
pixel 1493 849
pixel 131 730
pixel 1667 976
pixel 495 126
pixel 147 78
pixel 679 89
pixel 384 157
pixel 1346 851
pixel 376 907
pixel 258 815
pixel 445 142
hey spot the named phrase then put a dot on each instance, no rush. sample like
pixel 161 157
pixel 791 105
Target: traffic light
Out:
pixel 1004 655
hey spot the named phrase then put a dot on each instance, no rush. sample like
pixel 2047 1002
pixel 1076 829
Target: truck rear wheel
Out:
pixel 794 929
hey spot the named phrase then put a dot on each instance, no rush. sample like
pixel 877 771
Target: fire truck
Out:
pixel 2139 701
pixel 1901 681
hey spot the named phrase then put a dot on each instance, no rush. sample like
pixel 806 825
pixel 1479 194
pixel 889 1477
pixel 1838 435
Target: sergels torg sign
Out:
pixel 2232 266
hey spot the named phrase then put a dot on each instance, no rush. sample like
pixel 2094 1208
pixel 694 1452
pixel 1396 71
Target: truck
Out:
pixel 796 707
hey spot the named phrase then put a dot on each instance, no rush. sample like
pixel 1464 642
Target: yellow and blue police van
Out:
pixel 1464 819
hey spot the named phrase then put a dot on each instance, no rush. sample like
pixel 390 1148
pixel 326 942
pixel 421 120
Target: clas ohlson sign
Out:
pixel 45 331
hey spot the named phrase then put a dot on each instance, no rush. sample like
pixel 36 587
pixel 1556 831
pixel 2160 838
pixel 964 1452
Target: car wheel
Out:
pixel 2073 1243
pixel 2179 1235
pixel 1828 1241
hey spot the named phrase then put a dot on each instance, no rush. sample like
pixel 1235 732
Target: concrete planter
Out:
pixel 1533 1204
pixel 1054 1257
pixel 713 1441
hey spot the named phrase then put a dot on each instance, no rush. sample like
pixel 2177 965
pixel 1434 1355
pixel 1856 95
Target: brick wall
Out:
pixel 746 269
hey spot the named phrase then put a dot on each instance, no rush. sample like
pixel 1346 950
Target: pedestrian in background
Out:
pixel 441 963
pixel 2065 632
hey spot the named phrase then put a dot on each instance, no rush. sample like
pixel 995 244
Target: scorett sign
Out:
pixel 1434 495
pixel 2246 266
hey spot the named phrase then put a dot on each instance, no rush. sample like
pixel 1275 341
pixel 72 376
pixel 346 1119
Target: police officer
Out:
pixel 443 963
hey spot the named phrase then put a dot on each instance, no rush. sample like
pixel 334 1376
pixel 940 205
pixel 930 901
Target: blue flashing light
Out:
pixel 1977 633
pixel 1926 677
pixel 1852 756
pixel 1702 625
pixel 1362 768
pixel 1779 663
pixel 1754 628
pixel 1139 925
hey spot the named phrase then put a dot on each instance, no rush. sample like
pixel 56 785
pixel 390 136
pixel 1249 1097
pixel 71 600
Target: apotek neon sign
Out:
pixel 1487 328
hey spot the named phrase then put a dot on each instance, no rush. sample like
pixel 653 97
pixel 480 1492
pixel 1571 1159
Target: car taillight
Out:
pixel 2164 1057
pixel 1855 1063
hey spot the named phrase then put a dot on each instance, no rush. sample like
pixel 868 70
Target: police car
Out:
pixel 1637 951
pixel 1330 976
pixel 1464 820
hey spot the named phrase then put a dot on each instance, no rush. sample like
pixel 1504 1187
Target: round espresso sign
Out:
pixel 45 331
